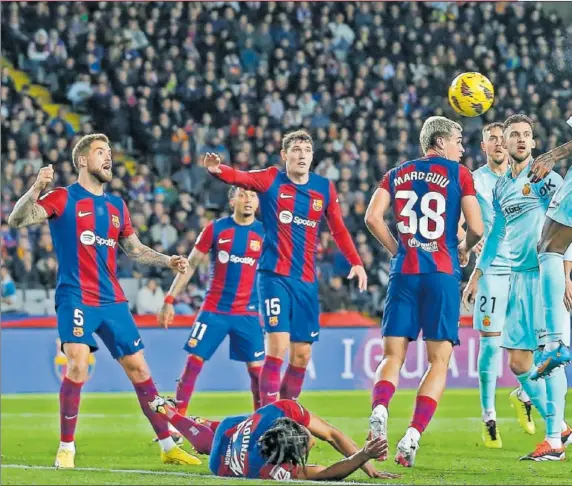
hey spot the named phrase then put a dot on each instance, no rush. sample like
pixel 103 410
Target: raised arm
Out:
pixel 199 252
pixel 33 209
pixel 254 180
pixel 544 163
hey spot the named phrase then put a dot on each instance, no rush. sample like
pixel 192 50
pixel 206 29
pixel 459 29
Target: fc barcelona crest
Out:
pixel 317 204
pixel 255 245
pixel 115 220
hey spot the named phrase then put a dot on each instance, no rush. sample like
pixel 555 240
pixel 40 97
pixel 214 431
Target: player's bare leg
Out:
pixel 138 372
pixel 291 385
pixel 554 241
pixel 430 391
pixel 277 345
pixel 490 354
pixel 76 373
pixel 254 369
pixel 386 380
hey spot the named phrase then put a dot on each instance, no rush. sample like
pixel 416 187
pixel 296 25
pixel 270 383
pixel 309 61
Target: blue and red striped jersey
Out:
pixel 236 441
pixel 85 230
pixel 426 195
pixel 234 252
pixel 291 214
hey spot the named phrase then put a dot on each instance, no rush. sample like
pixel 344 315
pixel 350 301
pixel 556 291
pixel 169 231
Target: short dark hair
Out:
pixel 517 118
pixel 296 136
pixel 285 442
pixel 489 126
pixel 84 144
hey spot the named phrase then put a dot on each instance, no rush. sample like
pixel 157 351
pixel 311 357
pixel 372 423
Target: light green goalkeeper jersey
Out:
pixel 485 182
pixel 519 214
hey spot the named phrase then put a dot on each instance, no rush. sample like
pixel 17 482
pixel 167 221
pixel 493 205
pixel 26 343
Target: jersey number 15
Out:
pixel 413 223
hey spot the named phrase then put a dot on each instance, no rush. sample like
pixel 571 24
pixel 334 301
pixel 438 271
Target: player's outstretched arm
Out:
pixel 136 250
pixel 27 211
pixel 375 221
pixel 167 312
pixel 544 163
pixel 355 458
pixel 254 180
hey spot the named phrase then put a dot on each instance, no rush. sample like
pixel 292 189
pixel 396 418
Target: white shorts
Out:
pixel 491 302
pixel 525 325
pixel 560 209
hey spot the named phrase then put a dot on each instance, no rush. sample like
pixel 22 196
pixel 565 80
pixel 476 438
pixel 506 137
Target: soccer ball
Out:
pixel 471 94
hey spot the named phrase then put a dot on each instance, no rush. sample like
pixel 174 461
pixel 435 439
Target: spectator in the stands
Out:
pixel 150 298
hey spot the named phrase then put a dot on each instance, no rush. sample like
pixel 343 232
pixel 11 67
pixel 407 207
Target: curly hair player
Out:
pixel 272 443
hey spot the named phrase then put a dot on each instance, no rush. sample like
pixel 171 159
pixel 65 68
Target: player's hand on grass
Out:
pixel 541 167
pixel 359 271
pixel 179 263
pixel 568 295
pixel 166 315
pixel 45 177
pixel 374 448
pixel 470 291
pixel 212 163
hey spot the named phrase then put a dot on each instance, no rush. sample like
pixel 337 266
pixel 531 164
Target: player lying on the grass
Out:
pixel 294 202
pixel 520 208
pixel 555 239
pixel 88 227
pixel 272 443
pixel 427 196
pixel 230 307
pixel 489 312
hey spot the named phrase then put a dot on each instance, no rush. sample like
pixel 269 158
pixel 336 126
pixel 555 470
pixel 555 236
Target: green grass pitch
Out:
pixel 114 441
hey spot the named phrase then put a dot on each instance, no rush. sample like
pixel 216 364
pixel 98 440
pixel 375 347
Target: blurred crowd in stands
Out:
pixel 170 81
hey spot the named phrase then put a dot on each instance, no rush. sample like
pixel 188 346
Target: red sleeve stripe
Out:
pixel 285 208
pixel 87 253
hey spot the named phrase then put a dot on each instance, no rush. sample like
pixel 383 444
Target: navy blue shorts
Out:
pixel 210 329
pixel 289 305
pixel 113 323
pixel 427 302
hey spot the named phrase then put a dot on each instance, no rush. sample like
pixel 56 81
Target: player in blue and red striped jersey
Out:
pixel 231 302
pixel 428 196
pixel 273 443
pixel 293 203
pixel 88 226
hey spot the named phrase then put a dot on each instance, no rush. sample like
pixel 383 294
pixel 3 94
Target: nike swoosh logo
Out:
pixel 224 241
pixel 137 342
pixel 272 394
pixel 260 353
pixel 81 214
pixel 70 418
pixel 314 334
pixel 286 196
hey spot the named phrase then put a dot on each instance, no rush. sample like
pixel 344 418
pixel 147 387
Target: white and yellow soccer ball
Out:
pixel 471 94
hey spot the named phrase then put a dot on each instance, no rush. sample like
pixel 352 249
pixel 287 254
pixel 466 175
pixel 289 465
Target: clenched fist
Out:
pixel 45 177
pixel 179 263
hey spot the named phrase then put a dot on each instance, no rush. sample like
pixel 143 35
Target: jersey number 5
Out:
pixel 413 224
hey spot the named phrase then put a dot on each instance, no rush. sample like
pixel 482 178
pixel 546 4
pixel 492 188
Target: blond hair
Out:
pixel 435 127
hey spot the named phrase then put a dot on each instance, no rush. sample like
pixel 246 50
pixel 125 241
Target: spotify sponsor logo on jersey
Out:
pixel 225 257
pixel 287 217
pixel 89 238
